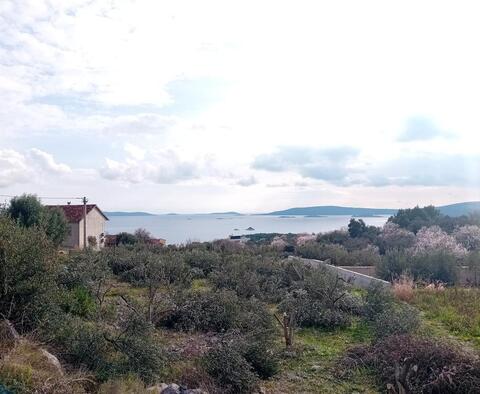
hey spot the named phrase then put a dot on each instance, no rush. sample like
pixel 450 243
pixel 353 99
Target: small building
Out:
pixel 95 226
pixel 238 238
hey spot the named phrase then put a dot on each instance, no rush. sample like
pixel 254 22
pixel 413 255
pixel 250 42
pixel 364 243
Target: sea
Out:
pixel 180 229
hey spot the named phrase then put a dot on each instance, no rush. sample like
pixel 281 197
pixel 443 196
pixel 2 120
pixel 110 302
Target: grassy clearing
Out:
pixel 314 369
pixel 454 311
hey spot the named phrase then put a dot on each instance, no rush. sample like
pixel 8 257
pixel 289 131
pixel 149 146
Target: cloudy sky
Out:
pixel 197 106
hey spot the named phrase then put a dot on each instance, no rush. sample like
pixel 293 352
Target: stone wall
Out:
pixel 357 279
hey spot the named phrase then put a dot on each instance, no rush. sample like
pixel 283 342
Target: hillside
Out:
pixel 462 208
pixel 333 210
pixel 459 209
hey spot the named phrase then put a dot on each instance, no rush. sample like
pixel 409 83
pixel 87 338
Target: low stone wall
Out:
pixel 368 270
pixel 363 275
pixel 357 279
pixel 466 276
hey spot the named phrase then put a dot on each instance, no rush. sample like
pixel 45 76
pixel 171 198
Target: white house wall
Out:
pixel 95 227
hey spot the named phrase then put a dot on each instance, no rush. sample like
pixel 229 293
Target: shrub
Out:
pixel 429 366
pixel 260 356
pixel 107 352
pixel 365 256
pixel 28 268
pixel 403 288
pixel 218 311
pixel 393 264
pixel 335 237
pixel 203 260
pixel 309 312
pixel 230 369
pixel 322 300
pixel 396 320
pixel 203 311
pixel 377 300
pixel 337 254
pixel 436 265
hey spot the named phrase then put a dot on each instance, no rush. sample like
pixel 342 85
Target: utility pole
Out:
pixel 84 199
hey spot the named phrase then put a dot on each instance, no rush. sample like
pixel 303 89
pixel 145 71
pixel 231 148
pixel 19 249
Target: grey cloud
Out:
pixel 341 167
pixel 421 129
pixel 427 170
pixel 331 165
pixel 163 168
pixel 249 181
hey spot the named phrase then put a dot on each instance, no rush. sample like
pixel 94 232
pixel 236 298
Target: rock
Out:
pixel 157 389
pixel 171 389
pixel 316 367
pixel 53 361
pixel 8 335
pixel 293 377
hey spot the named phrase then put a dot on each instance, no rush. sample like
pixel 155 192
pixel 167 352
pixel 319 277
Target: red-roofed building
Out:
pixel 95 226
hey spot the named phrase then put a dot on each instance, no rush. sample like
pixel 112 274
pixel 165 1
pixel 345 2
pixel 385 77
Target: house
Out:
pixel 95 226
pixel 157 241
pixel 238 238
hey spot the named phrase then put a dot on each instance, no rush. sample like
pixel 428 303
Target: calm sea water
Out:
pixel 183 228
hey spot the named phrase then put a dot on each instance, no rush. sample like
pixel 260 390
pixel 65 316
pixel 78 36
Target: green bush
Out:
pixel 78 301
pixel 439 265
pixel 337 254
pixel 262 359
pixel 396 320
pixel 203 311
pixel 202 260
pixel 378 299
pixel 393 264
pixel 218 311
pixel 230 369
pixel 28 268
pixel 309 312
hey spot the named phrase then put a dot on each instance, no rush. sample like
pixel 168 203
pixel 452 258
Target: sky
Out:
pixel 251 106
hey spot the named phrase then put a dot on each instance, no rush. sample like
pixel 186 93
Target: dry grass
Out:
pixel 26 369
pixel 403 288
pixel 128 384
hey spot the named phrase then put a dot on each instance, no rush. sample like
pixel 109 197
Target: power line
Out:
pixel 47 198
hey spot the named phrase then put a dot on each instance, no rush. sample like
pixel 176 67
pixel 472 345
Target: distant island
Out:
pixel 459 209
pixel 119 213
pixel 227 213
pixel 332 210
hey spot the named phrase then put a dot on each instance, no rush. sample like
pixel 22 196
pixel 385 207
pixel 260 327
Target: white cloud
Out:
pixel 164 167
pixel 13 168
pixel 47 163
pixel 16 167
pixel 134 151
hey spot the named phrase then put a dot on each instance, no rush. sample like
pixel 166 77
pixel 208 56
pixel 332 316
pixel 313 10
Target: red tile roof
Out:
pixel 74 213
